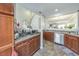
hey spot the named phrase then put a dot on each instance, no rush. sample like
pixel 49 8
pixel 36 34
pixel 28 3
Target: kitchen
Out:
pixel 42 29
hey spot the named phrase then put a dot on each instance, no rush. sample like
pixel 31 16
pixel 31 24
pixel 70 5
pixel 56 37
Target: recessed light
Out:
pixel 56 10
pixel 27 12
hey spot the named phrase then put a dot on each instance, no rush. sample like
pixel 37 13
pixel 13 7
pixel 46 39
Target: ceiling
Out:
pixel 48 9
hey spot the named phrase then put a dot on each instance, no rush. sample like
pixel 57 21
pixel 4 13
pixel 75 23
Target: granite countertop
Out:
pixel 50 30
pixel 26 37
pixel 72 32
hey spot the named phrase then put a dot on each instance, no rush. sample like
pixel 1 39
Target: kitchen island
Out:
pixel 27 45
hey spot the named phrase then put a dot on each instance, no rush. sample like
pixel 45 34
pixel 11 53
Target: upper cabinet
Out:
pixel 6 8
pixel 6 29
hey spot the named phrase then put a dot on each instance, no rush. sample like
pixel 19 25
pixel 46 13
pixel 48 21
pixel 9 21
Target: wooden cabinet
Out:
pixel 22 49
pixel 37 42
pixel 72 42
pixel 6 8
pixel 28 47
pixel 6 52
pixel 75 46
pixel 6 28
pixel 34 44
pixel 48 36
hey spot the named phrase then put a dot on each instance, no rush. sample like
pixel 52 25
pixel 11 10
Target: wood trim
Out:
pixel 5 47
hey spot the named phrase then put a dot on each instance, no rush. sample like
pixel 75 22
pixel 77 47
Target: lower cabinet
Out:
pixel 28 47
pixel 75 46
pixel 22 49
pixel 49 36
pixel 72 42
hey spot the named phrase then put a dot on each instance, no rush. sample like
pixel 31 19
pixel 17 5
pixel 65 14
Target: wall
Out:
pixel 35 23
pixel 27 18
pixel 22 14
pixel 72 18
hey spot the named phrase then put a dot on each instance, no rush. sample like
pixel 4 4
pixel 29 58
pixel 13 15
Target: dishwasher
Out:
pixel 59 38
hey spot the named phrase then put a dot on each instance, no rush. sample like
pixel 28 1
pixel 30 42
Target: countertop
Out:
pixel 26 37
pixel 67 30
pixel 72 32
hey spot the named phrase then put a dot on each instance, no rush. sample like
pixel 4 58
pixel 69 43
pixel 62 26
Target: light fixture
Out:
pixel 56 10
pixel 28 12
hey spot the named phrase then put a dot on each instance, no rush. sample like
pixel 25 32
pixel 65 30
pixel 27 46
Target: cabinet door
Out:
pixel 22 49
pixel 34 45
pixel 49 36
pixel 31 46
pixel 44 35
pixel 65 40
pixel 75 44
pixel 19 49
pixel 69 41
pixel 37 42
pixel 6 31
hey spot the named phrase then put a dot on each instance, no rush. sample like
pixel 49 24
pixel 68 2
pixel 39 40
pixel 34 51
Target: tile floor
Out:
pixel 52 49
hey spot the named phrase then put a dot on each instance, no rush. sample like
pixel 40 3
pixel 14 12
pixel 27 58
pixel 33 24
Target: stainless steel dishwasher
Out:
pixel 59 38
